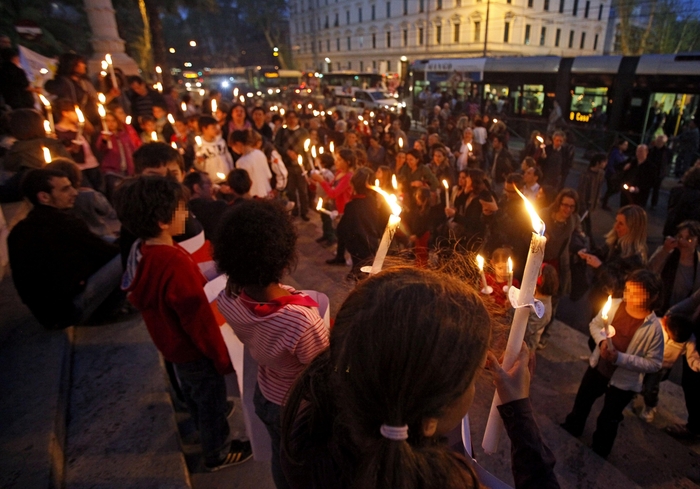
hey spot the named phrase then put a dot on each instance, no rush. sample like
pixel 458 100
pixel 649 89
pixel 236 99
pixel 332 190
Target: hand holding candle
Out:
pixel 494 426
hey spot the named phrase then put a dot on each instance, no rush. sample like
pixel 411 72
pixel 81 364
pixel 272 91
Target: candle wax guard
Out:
pixel 535 305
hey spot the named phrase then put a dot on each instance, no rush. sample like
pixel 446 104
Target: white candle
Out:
pixel 394 183
pixel 400 142
pixel 103 114
pixel 214 106
pixel 128 119
pixel 300 160
pixel 47 155
pixel 494 426
pixel 331 147
pixel 319 208
pixel 447 192
pixel 389 230
pixel 173 145
pixel 198 140
pixel 154 136
pixel 608 328
pixel 108 57
pixel 81 121
pixel 510 273
pixel 221 176
pixel 321 150
pixel 183 107
pixel 47 127
pixel 485 289
pixel 49 112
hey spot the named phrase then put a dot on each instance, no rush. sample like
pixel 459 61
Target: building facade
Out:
pixel 373 35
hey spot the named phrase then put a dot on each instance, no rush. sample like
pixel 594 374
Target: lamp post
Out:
pixel 486 27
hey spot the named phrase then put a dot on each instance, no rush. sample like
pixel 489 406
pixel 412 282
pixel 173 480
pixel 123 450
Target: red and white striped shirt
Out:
pixel 283 336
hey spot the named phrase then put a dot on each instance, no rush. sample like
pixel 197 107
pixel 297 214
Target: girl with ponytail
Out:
pixel 373 410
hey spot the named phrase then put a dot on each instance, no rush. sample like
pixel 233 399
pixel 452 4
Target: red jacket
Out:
pixel 166 285
pixel 341 191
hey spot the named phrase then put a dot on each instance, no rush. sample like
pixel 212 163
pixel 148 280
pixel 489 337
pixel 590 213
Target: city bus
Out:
pixel 348 82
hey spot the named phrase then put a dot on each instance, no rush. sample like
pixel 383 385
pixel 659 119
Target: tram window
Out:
pixel 585 100
pixel 532 100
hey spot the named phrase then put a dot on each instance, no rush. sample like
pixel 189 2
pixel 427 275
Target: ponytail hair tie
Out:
pixel 394 433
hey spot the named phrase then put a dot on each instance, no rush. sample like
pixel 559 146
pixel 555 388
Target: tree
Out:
pixel 271 18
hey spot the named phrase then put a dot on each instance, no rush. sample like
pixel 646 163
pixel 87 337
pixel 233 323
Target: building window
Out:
pixel 374 64
pixel 328 45
pixel 506 32
pixel 405 7
pixel 557 38
pixel 458 3
pixel 325 24
pixel 477 31
pixel 349 43
pixel 546 4
pixel 583 40
pixel 543 35
pixel 595 42
pixel 405 37
pixel 337 44
pixel 338 65
pixel 600 12
pixel 438 34
pixel 575 12
pixel 359 14
pixel 456 33
pixel 421 6
pixel 373 12
pixel 388 9
pixel 438 5
pixel 347 17
pixel 420 36
pixel 571 39
pixel 362 65
pixel 303 26
pixel 527 33
pixel 388 65
pixel 529 3
pixel 561 6
pixel 388 39
pixel 319 47
pixel 349 65
pixel 374 41
pixel 587 9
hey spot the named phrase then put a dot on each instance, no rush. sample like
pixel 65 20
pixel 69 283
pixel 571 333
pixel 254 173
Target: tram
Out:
pixel 634 95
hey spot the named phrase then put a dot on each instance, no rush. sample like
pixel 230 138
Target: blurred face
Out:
pixel 620 226
pixel 497 144
pixel 180 127
pixel 510 192
pixel 417 145
pixel 529 176
pixel 686 241
pixel 219 115
pixel 148 126
pixel 501 269
pixel 469 185
pixel 174 171
pixel 70 116
pixel 352 139
pixel 292 120
pixel 177 227
pixel 80 68
pixel 635 295
pixel 340 164
pixel 205 190
pixel 238 114
pixel 432 139
pixel 567 207
pixel 468 135
pixel 112 124
pixel 642 152
pixel 412 161
pixel 557 141
pixel 438 157
pixel 210 131
pixel 139 88
pixel 462 181
pixel 119 114
pixel 624 146
pixel 158 112
pixel 259 118
pixel 62 195
pixel 400 159
pixel 660 141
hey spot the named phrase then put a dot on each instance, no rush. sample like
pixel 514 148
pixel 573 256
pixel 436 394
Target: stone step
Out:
pixel 35 377
pixel 121 429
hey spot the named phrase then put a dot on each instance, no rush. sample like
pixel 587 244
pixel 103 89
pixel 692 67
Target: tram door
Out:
pixel 522 100
pixel 669 112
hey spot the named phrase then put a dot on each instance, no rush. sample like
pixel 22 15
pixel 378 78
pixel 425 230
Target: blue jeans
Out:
pixel 270 414
pixel 97 288
pixel 205 394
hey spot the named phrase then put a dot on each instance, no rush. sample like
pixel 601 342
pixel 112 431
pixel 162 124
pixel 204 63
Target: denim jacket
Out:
pixel 644 354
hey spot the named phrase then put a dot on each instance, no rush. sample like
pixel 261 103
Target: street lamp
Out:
pixel 193 43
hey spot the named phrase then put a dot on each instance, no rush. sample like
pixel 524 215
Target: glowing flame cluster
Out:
pixel 537 223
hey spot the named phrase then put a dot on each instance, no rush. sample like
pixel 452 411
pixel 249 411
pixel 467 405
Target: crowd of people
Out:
pixel 137 200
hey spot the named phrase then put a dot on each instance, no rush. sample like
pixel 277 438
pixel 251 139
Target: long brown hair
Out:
pixel 634 242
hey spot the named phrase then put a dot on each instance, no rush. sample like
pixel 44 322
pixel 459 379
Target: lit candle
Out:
pixel 103 114
pixel 394 182
pixel 319 208
pixel 242 99
pixel 400 142
pixel 510 275
pixel 371 114
pixel 469 149
pixel 154 136
pixel 47 155
pixel 376 182
pixel 214 106
pixel 49 112
pixel 171 119
pixel 526 295
pixel 300 160
pixel 173 145
pixel 159 74
pixel 321 149
pixel 313 151
pixel 307 143
pixel 183 107
pixel 128 119
pixel 235 92
pixel 108 58
pixel 486 289
pixel 221 176
pixel 47 127
pixel 609 329
pixel 331 147
pixel 81 122
pixel 282 111
pixel 198 140
pixel 389 230
pixel 447 192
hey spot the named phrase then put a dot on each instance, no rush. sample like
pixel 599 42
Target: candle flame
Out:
pixel 319 206
pixel 173 145
pixel 282 112
pixel 300 160
pixel 321 150
pixel 214 106
pixel 469 146
pixel 307 143
pixel 47 154
pixel 313 151
pixel 537 223
pixel 183 106
pixel 101 97
pixel 101 110
pixel 221 176
pixel 539 138
pixel 510 265
pixel 495 120
pixel 371 114
pixel 626 187
pixel 159 70
pixel 480 262
pixel 128 119
pixel 390 199
pixel 332 147
pixel 47 126
pixel 235 92
pixel 45 101
pixel 104 65
pixel 81 118
pixel 400 142
pixel 108 58
pixel 198 140
pixel 376 182
pixel 366 123
pixel 360 118
pixel 171 119
pixel 394 183
pixel 606 308
pixel 154 136
pixel 445 184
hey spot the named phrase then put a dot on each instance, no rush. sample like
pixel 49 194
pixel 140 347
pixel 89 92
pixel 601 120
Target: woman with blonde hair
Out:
pixel 624 251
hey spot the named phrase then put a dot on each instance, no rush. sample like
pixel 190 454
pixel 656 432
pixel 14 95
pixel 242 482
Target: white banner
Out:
pixel 38 68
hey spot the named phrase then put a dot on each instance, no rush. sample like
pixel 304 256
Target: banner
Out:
pixel 38 68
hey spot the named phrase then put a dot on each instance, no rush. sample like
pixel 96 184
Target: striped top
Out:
pixel 283 337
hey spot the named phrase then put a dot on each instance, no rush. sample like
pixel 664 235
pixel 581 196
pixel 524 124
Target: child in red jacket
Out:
pixel 166 285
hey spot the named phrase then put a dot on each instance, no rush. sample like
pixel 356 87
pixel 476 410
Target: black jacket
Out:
pixel 52 254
